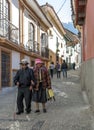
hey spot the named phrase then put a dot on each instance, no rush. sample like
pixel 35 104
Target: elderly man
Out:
pixel 24 79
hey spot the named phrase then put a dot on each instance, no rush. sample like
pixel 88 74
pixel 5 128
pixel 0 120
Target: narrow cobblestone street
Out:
pixel 68 112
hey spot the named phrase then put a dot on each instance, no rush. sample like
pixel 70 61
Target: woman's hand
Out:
pixel 36 87
pixel 32 83
pixel 30 88
pixel 49 87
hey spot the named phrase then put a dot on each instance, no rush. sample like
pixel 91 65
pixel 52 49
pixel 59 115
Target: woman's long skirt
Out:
pixel 39 95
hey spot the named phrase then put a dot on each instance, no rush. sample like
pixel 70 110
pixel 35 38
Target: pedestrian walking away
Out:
pixel 64 68
pixel 43 81
pixel 73 66
pixel 52 66
pixel 25 80
pixel 58 70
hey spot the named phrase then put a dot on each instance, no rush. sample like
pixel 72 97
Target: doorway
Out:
pixel 5 69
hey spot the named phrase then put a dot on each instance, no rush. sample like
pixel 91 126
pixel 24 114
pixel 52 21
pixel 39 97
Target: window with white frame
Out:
pixel 44 40
pixel 67 50
pixel 31 35
pixel 4 15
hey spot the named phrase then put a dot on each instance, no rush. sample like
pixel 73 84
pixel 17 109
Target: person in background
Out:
pixel 25 80
pixel 58 70
pixel 73 66
pixel 64 68
pixel 52 66
pixel 43 81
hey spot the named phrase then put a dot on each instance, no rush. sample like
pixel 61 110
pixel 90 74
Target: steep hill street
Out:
pixel 69 112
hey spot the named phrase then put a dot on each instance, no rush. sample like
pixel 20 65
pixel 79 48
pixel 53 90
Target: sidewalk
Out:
pixel 68 112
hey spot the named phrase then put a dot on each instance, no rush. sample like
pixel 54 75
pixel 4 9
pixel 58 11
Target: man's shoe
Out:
pixel 37 111
pixel 44 110
pixel 28 112
pixel 19 112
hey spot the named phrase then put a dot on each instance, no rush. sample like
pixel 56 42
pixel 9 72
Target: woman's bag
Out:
pixel 50 94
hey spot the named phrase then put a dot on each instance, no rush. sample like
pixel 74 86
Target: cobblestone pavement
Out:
pixel 68 112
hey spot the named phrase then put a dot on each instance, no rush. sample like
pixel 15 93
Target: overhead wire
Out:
pixel 61 7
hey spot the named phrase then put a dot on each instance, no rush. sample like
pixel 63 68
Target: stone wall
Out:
pixel 87 79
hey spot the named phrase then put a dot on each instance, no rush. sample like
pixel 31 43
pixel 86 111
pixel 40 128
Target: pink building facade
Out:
pixel 82 14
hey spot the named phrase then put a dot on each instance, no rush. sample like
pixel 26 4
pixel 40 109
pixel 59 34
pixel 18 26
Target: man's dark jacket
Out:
pixel 24 77
pixel 64 66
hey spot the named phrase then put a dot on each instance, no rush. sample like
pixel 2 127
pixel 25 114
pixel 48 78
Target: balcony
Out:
pixel 82 2
pixel 33 46
pixel 78 11
pixel 45 52
pixel 9 31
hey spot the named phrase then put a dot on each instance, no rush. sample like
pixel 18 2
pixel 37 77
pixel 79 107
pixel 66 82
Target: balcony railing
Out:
pixel 9 31
pixel 33 47
pixel 45 52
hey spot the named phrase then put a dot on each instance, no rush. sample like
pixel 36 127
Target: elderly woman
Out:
pixel 42 82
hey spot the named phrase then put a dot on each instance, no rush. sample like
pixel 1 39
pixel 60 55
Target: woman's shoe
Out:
pixel 37 111
pixel 44 110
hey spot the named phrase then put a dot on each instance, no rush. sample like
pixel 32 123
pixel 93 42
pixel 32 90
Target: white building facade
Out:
pixel 57 43
pixel 23 34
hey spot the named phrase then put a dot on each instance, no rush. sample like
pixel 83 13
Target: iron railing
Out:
pixel 33 46
pixel 9 31
pixel 45 52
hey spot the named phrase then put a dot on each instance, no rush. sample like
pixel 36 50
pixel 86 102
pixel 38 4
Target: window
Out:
pixel 67 59
pixel 44 45
pixel 61 45
pixel 4 15
pixel 1 9
pixel 50 33
pixel 44 40
pixel 67 50
pixel 5 71
pixel 57 44
pixel 31 35
pixel 50 58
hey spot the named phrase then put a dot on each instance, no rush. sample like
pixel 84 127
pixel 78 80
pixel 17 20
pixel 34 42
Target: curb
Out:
pixel 85 97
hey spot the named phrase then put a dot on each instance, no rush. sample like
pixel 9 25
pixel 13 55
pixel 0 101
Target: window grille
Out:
pixel 5 71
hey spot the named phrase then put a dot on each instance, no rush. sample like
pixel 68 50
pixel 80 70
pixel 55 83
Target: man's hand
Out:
pixel 32 83
pixel 17 84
